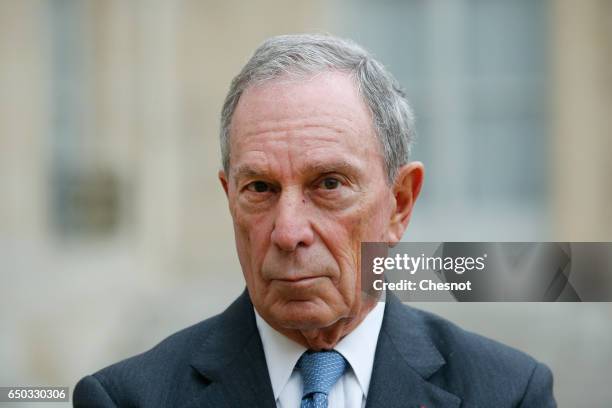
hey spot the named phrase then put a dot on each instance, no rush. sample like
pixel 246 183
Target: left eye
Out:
pixel 329 183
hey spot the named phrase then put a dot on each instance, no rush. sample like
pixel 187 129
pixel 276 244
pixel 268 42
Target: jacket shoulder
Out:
pixel 455 342
pixel 481 368
pixel 142 380
pixel 173 350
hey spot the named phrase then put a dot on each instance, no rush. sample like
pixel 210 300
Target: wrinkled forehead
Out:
pixel 325 106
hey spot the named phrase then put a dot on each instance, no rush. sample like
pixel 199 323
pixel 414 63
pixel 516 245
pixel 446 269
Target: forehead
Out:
pixel 322 113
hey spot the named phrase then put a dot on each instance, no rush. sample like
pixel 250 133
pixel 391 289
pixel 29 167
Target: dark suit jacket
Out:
pixel 421 361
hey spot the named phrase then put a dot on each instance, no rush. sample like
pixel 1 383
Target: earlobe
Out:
pixel 406 189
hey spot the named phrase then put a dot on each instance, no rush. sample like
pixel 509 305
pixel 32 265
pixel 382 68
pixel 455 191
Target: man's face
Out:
pixel 307 185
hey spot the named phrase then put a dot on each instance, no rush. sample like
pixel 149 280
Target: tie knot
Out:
pixel 320 370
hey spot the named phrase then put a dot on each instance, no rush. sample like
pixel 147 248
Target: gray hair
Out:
pixel 307 54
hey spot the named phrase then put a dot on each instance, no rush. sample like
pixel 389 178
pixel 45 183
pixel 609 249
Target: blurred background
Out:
pixel 114 231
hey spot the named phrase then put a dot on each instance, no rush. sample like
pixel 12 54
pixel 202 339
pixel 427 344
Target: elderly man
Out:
pixel 315 137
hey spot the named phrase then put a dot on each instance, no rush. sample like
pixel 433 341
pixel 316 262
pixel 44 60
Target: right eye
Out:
pixel 258 187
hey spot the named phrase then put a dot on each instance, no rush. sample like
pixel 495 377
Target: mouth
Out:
pixel 306 280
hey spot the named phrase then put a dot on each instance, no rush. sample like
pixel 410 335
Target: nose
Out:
pixel 291 226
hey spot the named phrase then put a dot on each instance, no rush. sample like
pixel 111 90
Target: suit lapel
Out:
pixel 232 362
pixel 405 359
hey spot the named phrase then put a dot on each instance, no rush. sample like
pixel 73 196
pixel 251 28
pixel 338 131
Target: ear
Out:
pixel 406 189
pixel 224 181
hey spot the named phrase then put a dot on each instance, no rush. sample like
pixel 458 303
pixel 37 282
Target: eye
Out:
pixel 329 183
pixel 258 187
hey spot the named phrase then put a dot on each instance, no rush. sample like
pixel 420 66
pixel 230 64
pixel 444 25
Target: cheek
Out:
pixel 343 234
pixel 366 222
pixel 376 217
pixel 252 238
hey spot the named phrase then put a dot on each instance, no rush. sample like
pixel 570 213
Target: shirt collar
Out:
pixel 358 348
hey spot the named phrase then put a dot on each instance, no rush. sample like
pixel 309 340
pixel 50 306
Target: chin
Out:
pixel 306 315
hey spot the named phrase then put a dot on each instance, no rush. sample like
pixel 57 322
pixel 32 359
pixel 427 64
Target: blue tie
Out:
pixel 320 371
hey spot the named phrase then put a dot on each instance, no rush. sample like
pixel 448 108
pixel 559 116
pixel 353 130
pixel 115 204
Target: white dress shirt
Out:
pixel 358 348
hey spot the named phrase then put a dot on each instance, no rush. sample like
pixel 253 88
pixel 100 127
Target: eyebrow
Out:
pixel 342 166
pixel 247 171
